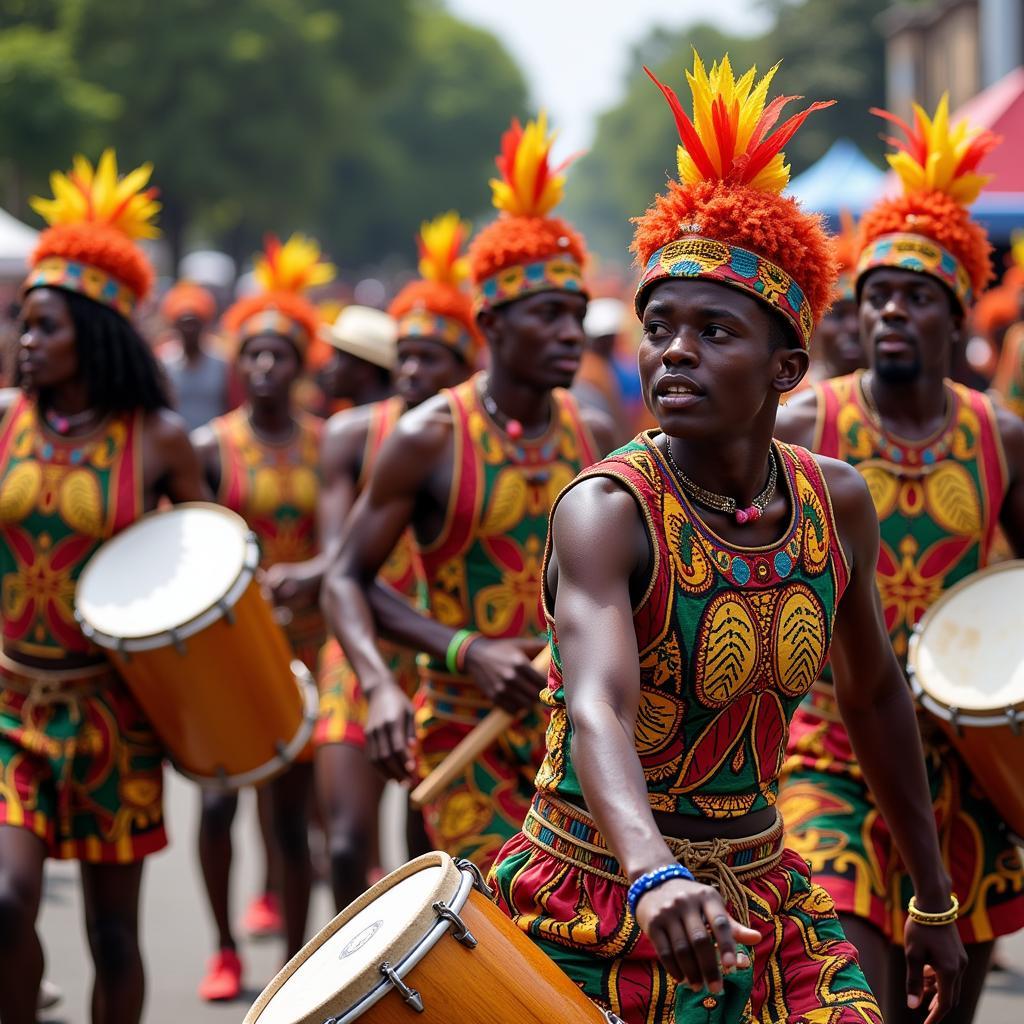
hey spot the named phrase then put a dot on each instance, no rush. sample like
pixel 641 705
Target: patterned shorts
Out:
pixel 834 823
pixel 82 768
pixel 342 717
pixel 486 805
pixel 561 886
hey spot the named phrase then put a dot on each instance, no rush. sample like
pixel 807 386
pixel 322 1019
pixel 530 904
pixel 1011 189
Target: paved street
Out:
pixel 178 934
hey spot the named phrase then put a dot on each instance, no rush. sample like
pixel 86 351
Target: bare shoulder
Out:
pixel 846 487
pixel 601 426
pixel 204 439
pixel 797 418
pixel 165 428
pixel 592 520
pixel 347 426
pixel 426 430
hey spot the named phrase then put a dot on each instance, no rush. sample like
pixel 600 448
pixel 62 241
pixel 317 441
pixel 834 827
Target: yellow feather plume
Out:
pixel 97 196
pixel 292 267
pixel 440 245
pixel 1017 247
pixel 938 157
pixel 529 185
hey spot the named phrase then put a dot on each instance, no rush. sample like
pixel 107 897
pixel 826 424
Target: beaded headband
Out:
pixel 273 321
pixel 87 280
pixel 906 251
pixel 694 256
pixel 422 323
pixel 556 273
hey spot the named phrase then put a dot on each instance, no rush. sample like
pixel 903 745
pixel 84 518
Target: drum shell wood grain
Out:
pixel 227 700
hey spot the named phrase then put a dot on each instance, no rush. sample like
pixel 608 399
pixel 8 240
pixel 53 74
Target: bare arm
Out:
pixel 796 420
pixel 599 542
pixel 602 428
pixel 170 464
pixel 878 712
pixel 1011 516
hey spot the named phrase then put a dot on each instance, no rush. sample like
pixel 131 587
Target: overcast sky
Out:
pixel 575 52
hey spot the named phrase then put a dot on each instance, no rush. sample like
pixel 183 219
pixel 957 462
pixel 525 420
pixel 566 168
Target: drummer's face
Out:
pixel 268 365
pixel 47 350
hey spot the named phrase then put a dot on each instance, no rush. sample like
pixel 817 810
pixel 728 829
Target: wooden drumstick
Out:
pixel 472 745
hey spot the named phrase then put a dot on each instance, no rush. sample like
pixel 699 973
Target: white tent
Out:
pixel 17 241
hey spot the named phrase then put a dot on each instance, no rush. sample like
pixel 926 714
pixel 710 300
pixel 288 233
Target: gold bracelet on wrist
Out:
pixel 943 917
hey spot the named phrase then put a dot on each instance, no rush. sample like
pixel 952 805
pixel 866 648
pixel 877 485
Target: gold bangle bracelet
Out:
pixel 943 917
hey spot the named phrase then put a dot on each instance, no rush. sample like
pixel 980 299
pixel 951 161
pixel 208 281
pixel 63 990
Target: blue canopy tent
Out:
pixel 843 179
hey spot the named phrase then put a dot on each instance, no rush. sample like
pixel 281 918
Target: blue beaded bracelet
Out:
pixel 645 883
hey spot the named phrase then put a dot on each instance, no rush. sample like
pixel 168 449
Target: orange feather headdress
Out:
pixel 845 250
pixel 436 306
pixel 95 217
pixel 284 272
pixel 726 219
pixel 927 228
pixel 526 250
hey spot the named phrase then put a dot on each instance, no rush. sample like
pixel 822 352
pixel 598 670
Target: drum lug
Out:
pixel 459 931
pixel 1013 717
pixel 479 882
pixel 409 995
pixel 124 655
pixel 226 611
pixel 611 1018
pixel 954 721
pixel 177 643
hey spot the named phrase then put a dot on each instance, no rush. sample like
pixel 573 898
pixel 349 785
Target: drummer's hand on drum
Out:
pixel 693 934
pixel 502 671
pixel 936 961
pixel 389 731
pixel 291 585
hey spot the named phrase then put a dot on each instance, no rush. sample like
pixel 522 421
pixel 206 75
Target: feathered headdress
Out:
pixel 95 216
pixel 284 274
pixel 436 307
pixel 928 228
pixel 846 249
pixel 726 219
pixel 525 250
pixel 185 299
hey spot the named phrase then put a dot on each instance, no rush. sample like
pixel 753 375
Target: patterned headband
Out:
pixel 87 280
pixel 559 272
pixel 904 250
pixel 694 256
pixel 273 321
pixel 452 333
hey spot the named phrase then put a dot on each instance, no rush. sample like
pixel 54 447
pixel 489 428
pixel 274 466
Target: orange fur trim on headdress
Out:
pixel 526 192
pixel 732 172
pixel 187 298
pixel 95 217
pixel 937 167
pixel 284 272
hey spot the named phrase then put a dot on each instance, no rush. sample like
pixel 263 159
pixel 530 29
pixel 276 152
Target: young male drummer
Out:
pixel 436 347
pixel 695 580
pixel 262 462
pixel 474 471
pixel 944 468
pixel 86 447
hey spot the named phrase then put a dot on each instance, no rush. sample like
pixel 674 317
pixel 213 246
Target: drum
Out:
pixel 966 665
pixel 424 944
pixel 174 600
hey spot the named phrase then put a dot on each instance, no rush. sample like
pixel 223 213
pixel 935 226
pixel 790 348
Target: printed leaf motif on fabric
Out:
pixel 882 485
pixel 20 491
pixel 693 569
pixel 81 503
pixel 713 747
pixel 658 722
pixel 800 639
pixel 952 499
pixel 768 735
pixel 727 651
pixel 507 503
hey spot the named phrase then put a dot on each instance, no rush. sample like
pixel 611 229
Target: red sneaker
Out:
pixel 263 916
pixel 223 979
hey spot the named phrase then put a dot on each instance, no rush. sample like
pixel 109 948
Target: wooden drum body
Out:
pixel 425 944
pixel 175 602
pixel 966 666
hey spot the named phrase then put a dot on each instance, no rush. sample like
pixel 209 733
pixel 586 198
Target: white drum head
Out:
pixel 163 571
pixel 340 966
pixel 969 652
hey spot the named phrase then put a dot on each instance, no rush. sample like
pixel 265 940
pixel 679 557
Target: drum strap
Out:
pixel 568 833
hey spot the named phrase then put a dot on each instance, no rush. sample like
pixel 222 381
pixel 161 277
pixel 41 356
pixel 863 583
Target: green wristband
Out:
pixel 451 656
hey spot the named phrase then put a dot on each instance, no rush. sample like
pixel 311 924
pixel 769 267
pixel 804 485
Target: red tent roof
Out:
pixel 1000 107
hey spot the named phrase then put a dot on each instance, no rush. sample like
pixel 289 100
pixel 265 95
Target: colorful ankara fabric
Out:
pixel 1009 380
pixel 730 640
pixel 695 256
pixel 342 717
pixel 483 573
pixel 938 504
pixel 904 250
pixel 274 487
pixel 556 273
pixel 82 768
pixel 561 886
pixel 60 498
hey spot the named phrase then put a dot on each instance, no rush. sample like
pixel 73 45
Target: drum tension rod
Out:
pixel 226 611
pixel 954 721
pixel 409 995
pixel 1013 717
pixel 479 882
pixel 460 931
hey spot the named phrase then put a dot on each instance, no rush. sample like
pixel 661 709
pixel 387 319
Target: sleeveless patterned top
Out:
pixel 730 640
pixel 275 489
pixel 484 572
pixel 60 498
pixel 937 499
pixel 402 571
